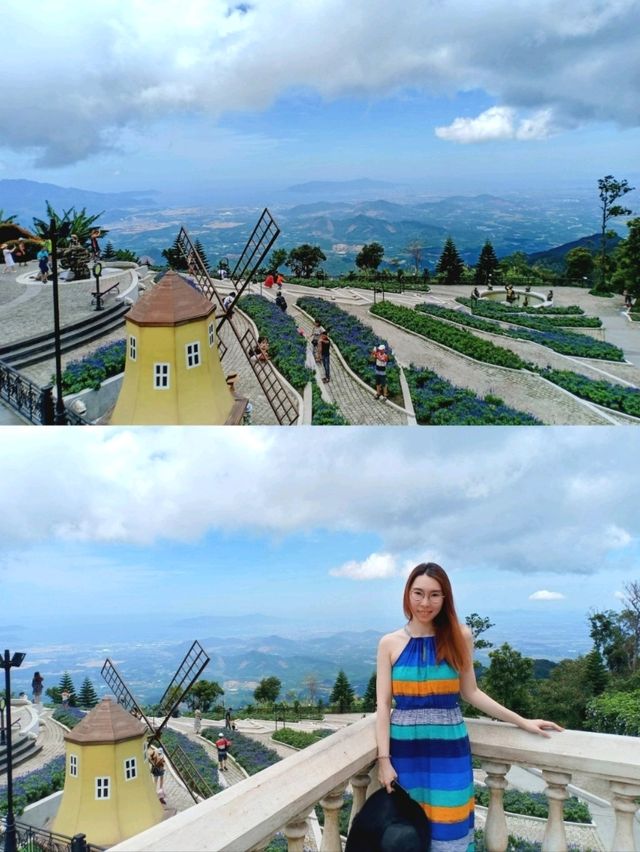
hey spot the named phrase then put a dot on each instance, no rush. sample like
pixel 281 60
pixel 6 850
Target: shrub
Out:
pixel 564 342
pixel 616 397
pixel 325 413
pixel 300 739
pixel 92 370
pixel 287 347
pixel 542 318
pixel 455 338
pixel 354 340
pixel 253 756
pixel 535 804
pixel 34 785
pixel 615 713
pixel 69 717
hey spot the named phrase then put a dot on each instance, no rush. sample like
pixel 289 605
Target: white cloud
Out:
pixel 497 123
pixel 475 498
pixel 545 595
pixel 377 566
pixel 619 596
pixel 558 62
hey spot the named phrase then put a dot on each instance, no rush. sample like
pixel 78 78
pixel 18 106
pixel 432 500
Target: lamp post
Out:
pixel 97 272
pixel 3 704
pixel 54 234
pixel 7 662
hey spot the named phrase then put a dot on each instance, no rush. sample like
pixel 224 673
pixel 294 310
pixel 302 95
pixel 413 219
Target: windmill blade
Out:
pixel 191 777
pixel 123 694
pixel 193 664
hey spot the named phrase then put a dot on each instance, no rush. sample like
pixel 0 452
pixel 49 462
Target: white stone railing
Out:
pixel 244 817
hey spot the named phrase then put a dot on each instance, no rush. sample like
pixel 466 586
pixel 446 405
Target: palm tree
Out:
pixel 7 220
pixel 81 223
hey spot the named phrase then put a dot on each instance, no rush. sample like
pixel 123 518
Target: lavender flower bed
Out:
pixel 206 766
pixel 34 785
pixel 90 372
pixel 287 347
pixel 253 756
pixel 354 340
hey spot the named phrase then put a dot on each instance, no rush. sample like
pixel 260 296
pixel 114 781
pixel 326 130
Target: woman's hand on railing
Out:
pixel 539 726
pixel 386 773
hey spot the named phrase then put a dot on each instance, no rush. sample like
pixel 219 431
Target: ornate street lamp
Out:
pixel 97 272
pixel 54 235
pixel 7 662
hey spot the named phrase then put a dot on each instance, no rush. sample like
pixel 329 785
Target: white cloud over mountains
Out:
pixel 546 595
pixel 488 498
pixel 75 74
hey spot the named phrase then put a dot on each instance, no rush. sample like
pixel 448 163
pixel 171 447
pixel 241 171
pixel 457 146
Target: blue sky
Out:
pixel 456 96
pixel 108 525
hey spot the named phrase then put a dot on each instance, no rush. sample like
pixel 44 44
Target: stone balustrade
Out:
pixel 244 817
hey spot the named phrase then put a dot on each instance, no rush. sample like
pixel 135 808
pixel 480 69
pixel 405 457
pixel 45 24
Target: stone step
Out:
pixel 22 749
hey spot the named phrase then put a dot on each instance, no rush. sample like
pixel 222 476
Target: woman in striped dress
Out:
pixel 425 666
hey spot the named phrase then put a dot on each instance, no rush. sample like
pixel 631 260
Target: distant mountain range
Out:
pixel 351 214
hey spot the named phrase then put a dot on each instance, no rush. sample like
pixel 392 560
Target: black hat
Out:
pixel 390 822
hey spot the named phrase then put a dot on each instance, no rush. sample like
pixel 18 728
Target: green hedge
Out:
pixel 615 713
pixel 91 371
pixel 535 804
pixel 616 397
pixel 495 309
pixel 300 739
pixel 325 413
pixel 447 335
pixel 531 318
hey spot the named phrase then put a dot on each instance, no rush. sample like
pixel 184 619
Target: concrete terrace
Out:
pixel 26 310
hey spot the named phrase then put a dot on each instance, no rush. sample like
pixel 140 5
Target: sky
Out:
pixel 453 94
pixel 116 525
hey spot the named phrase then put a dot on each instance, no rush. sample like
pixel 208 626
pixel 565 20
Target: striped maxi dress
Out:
pixel 429 745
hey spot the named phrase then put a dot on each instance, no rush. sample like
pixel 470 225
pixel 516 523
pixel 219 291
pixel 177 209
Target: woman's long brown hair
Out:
pixel 450 643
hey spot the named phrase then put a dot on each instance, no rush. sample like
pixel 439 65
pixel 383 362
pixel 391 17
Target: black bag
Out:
pixel 390 822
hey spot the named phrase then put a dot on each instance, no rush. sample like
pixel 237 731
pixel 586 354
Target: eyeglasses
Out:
pixel 432 597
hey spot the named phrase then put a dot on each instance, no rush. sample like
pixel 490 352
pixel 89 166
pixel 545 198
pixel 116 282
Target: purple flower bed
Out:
pixel 354 340
pixel 90 372
pixel 253 756
pixel 34 785
pixel 206 766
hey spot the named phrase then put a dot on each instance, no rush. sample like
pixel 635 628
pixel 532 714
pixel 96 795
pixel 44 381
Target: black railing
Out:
pixel 36 839
pixel 34 403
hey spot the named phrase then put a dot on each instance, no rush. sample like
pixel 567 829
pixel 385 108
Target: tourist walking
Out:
pixel 197 721
pixel 95 245
pixel 158 767
pixel 43 264
pixel 281 302
pixel 227 304
pixel 36 687
pixel 9 262
pixel 324 345
pixel 222 744
pixel 381 359
pixel 316 331
pixel 21 253
pixel 423 743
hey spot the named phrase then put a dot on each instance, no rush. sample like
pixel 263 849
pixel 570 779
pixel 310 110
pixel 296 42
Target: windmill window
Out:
pixel 73 765
pixel 130 768
pixel 103 788
pixel 133 348
pixel 161 376
pixel 193 355
pixel 212 334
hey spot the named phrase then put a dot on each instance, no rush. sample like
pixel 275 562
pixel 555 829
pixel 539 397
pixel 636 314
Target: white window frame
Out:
pixel 212 334
pixel 73 765
pixel 133 348
pixel 159 373
pixel 103 788
pixel 130 768
pixel 192 354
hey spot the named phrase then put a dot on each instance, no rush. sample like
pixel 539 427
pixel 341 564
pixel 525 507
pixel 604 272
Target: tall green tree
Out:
pixel 66 683
pixel 204 694
pixel 509 678
pixel 565 694
pixel 370 256
pixel 200 249
pixel 610 190
pixel 610 637
pixel 87 697
pixel 579 263
pixel 304 260
pixel 174 257
pixel 596 675
pixel 109 252
pixel 278 258
pixel 487 268
pixel 267 690
pixel 627 273
pixel 450 266
pixel 342 693
pixel 369 700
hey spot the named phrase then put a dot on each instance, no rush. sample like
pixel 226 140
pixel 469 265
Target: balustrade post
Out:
pixel 495 830
pixel 47 412
pixel 555 839
pixel 625 805
pixel 359 784
pixel 331 805
pixel 295 831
